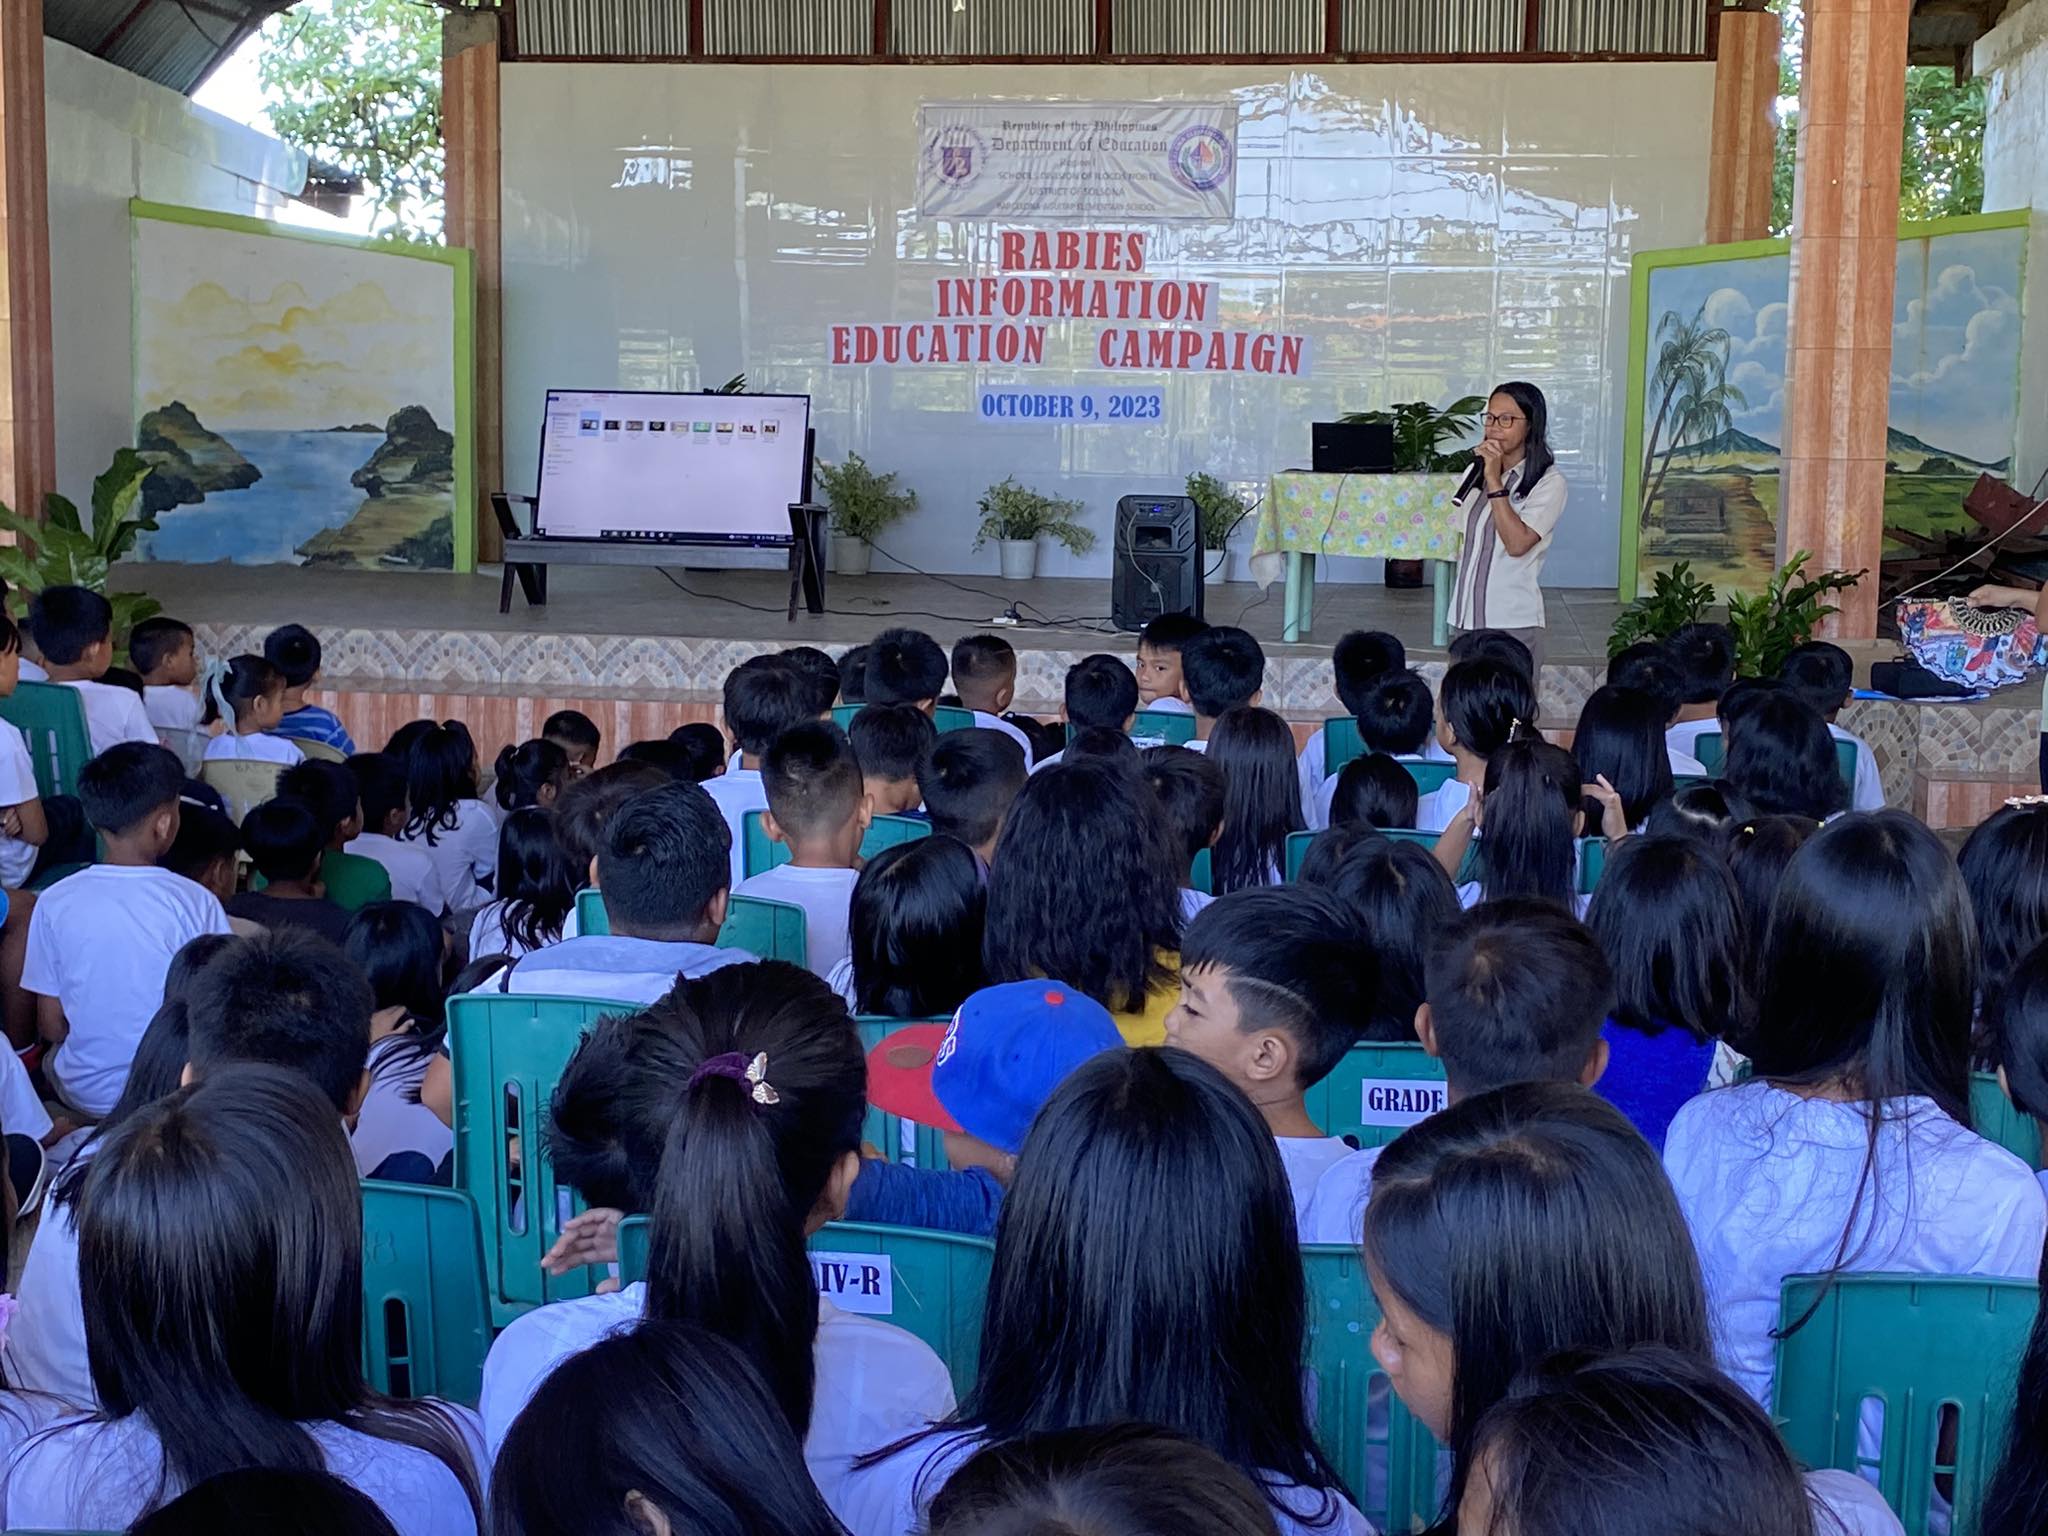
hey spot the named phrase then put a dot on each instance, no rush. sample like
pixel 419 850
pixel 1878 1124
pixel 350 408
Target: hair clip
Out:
pixel 2025 800
pixel 735 1065
pixel 761 1090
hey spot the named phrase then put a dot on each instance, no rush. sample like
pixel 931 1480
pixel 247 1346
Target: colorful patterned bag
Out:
pixel 1981 649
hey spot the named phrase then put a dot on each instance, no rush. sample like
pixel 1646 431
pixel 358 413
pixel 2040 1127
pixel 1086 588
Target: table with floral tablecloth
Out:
pixel 1375 517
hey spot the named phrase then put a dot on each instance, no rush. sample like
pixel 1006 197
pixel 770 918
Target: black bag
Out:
pixel 1907 679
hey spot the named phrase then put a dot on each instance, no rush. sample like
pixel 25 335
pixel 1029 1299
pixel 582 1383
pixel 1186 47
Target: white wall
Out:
pixel 2013 59
pixel 1433 230
pixel 114 136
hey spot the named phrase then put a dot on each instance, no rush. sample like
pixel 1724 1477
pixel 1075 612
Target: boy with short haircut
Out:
pixel 818 809
pixel 1647 667
pixel 1223 669
pixel 578 737
pixel 295 651
pixel 1396 716
pixel 1704 655
pixel 1825 677
pixel 1362 660
pixel 853 676
pixel 968 780
pixel 764 696
pixel 100 941
pixel 985 675
pixel 352 880
pixel 1190 789
pixel 1514 991
pixel 285 840
pixel 380 788
pixel 166 655
pixel 891 741
pixel 1274 989
pixel 1101 693
pixel 74 629
pixel 905 666
pixel 1160 644
pixel 822 671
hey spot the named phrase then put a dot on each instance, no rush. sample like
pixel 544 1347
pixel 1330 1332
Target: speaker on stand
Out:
pixel 1157 560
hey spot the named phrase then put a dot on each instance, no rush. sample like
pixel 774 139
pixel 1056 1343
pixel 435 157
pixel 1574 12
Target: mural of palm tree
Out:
pixel 1692 364
pixel 1703 411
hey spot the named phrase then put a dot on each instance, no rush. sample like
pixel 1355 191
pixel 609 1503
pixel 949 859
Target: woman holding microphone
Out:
pixel 1510 500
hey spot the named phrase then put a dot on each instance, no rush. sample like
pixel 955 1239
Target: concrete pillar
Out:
pixel 1845 226
pixel 469 133
pixel 28 414
pixel 1745 135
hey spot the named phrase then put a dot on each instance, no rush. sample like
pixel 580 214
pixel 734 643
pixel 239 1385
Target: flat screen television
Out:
pixel 671 468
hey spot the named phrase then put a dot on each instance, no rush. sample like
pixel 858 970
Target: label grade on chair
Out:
pixel 1399 1100
pixel 855 1282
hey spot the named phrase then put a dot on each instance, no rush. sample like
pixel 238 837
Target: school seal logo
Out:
pixel 1200 158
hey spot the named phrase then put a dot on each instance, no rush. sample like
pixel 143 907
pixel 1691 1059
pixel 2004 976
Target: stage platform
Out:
pixel 641 655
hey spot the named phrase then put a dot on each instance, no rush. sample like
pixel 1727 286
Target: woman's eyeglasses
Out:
pixel 1501 421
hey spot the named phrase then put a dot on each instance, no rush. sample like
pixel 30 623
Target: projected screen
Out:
pixel 616 464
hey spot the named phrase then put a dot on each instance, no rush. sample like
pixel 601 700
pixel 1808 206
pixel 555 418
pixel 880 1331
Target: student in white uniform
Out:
pixel 1532 814
pixel 536 889
pixel 755 1130
pixel 1262 800
pixel 255 1158
pixel 1400 900
pixel 1144 1271
pixel 1647 667
pixel 1270 982
pixel 1781 760
pixel 415 876
pixel 447 821
pixel 74 630
pixel 985 677
pixel 914 946
pixel 1160 644
pixel 1100 693
pixel 1824 676
pixel 1704 655
pixel 1224 668
pixel 1478 710
pixel 818 810
pixel 164 651
pixel 1396 716
pixel 246 694
pixel 1191 791
pixel 1620 738
pixel 764 696
pixel 400 949
pixel 891 742
pixel 1849 1149
pixel 968 780
pixel 1579 1246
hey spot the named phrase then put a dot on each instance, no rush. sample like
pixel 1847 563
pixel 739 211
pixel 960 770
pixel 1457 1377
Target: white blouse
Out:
pixel 1497 590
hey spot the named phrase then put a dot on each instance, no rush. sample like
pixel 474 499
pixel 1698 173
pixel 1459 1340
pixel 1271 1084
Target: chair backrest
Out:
pixel 1385 1455
pixel 897 1139
pixel 763 853
pixel 1998 1119
pixel 1298 845
pixel 1431 777
pixel 1681 781
pixel 1341 743
pixel 1937 1356
pixel 1375 1092
pixel 931 1284
pixel 243 782
pixel 1713 755
pixel 1174 727
pixel 52 719
pixel 508 1052
pixel 946 717
pixel 319 751
pixel 888 831
pixel 1202 873
pixel 773 930
pixel 1592 863
pixel 591 916
pixel 426 1303
pixel 190 745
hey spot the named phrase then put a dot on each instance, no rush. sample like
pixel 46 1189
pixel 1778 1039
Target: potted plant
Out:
pixel 1420 432
pixel 1218 512
pixel 863 505
pixel 1784 615
pixel 1016 517
pixel 1677 598
pixel 70 552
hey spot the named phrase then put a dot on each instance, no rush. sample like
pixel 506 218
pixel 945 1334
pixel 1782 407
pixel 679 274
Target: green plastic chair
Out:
pixel 773 930
pixel 1202 873
pixel 508 1052
pixel 1375 1092
pixel 426 1303
pixel 1431 777
pixel 762 853
pixel 591 916
pixel 1713 756
pixel 885 1131
pixel 1298 845
pixel 946 717
pixel 52 718
pixel 1688 781
pixel 1941 1354
pixel 1386 1457
pixel 1341 743
pixel 1592 863
pixel 1998 1119
pixel 1171 726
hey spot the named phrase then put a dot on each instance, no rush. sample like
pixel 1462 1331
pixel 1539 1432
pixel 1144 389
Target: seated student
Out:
pixel 414 875
pixel 1532 816
pixel 1477 710
pixel 1085 887
pixel 1515 991
pixel 660 1427
pixel 764 696
pixel 742 1112
pixel 905 666
pixel 1396 718
pixel 1825 677
pixel 1647 667
pixel 246 694
pixel 446 818
pixel 167 656
pixel 1102 744
pixel 981 1078
pixel 1373 791
pixel 662 869
pixel 24 826
pixel 853 675
pixel 1704 655
pixel 285 842
pixel 967 780
pixel 1270 986
pixel 532 773
pixel 100 940
pixel 1523 1223
pixel 985 673
pixel 400 950
pixel 281 1503
pixel 1196 1325
pixel 587 805
pixel 889 742
pixel 1100 692
pixel 207 852
pixel 1850 1149
pixel 1494 645
pixel 818 810
pixel 295 651
pixel 1261 798
pixel 1191 791
pixel 1670 919
pixel 1781 760
pixel 578 737
pixel 703 746
pixel 283 1257
pixel 671 757
pixel 915 926
pixel 2004 864
pixel 1399 898
pixel 330 792
pixel 822 671
pixel 537 887
pixel 73 628
pixel 1361 661
pixel 1698 811
pixel 1620 738
pixel 1160 644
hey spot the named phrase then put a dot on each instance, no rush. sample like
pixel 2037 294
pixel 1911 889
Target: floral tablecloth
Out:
pixel 1395 517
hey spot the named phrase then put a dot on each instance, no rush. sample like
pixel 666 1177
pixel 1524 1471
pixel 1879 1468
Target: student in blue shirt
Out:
pixel 295 651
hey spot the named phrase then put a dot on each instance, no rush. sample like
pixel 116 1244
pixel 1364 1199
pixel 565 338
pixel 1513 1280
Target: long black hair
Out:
pixel 532 773
pixel 1523 1221
pixel 1670 919
pixel 400 948
pixel 1400 897
pixel 2016 1501
pixel 1531 823
pixel 1536 455
pixel 1375 791
pixel 1147 1270
pixel 667 1414
pixel 301 1503
pixel 440 773
pixel 915 928
pixel 1085 886
pixel 220 1266
pixel 1261 797
pixel 1484 701
pixel 1781 761
pixel 537 880
pixel 2005 866
pixel 740 1177
pixel 1621 737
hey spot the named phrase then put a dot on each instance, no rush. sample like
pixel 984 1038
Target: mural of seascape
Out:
pixel 298 399
pixel 1704 461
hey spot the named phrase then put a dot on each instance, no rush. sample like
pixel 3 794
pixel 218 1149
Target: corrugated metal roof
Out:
pixel 176 43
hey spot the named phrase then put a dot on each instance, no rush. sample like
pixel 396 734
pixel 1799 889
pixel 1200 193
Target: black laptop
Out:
pixel 1352 447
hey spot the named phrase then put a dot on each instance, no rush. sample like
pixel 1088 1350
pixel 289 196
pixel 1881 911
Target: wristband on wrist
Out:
pixel 1499 495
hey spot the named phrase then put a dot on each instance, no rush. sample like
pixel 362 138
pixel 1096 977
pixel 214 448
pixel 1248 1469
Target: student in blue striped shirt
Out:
pixel 295 651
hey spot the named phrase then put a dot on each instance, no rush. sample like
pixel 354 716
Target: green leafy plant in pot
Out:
pixel 1017 517
pixel 1218 511
pixel 67 552
pixel 864 506
pixel 1784 615
pixel 1677 598
pixel 1420 432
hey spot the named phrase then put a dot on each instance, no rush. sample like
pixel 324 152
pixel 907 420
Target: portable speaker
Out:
pixel 1158 560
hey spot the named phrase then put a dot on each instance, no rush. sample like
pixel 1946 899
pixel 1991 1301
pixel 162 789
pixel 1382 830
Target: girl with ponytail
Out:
pixel 1528 823
pixel 1481 704
pixel 247 693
